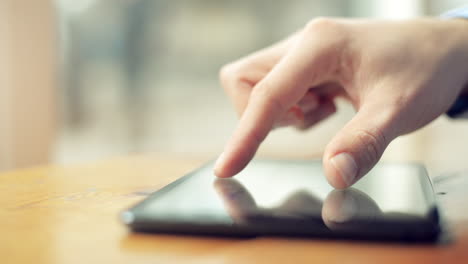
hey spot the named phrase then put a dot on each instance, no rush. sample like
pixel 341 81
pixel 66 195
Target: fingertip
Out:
pixel 222 173
pixel 220 168
pixel 231 163
pixel 219 172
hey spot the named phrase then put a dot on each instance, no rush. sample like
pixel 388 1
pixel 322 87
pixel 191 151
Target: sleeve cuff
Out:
pixel 460 108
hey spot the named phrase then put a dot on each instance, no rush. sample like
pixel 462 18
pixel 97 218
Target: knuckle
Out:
pixel 330 39
pixel 226 73
pixel 234 76
pixel 322 24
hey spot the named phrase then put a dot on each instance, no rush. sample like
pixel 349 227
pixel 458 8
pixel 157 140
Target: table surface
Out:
pixel 69 215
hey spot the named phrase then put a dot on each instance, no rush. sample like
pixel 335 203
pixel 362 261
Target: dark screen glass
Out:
pixel 293 198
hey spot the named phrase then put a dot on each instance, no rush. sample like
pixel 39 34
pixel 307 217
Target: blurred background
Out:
pixel 91 79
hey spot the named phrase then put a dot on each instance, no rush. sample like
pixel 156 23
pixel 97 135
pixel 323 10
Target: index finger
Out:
pixel 283 87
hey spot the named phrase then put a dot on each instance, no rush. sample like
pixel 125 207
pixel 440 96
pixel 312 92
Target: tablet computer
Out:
pixel 394 201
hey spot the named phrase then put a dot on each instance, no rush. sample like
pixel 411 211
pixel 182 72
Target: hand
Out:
pixel 398 75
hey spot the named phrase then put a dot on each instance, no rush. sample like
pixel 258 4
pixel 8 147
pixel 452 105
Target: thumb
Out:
pixel 358 146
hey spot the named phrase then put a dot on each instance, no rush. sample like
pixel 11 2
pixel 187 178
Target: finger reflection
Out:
pixel 340 210
pixel 238 202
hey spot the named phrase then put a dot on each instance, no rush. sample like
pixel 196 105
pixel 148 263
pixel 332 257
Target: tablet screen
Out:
pixel 293 198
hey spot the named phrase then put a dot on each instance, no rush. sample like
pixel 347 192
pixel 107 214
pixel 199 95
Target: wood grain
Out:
pixel 69 215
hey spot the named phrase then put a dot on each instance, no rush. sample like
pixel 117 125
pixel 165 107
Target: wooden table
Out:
pixel 69 215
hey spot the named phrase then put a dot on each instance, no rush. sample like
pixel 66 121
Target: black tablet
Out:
pixel 292 198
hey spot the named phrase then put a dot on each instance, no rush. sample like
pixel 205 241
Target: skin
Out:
pixel 398 75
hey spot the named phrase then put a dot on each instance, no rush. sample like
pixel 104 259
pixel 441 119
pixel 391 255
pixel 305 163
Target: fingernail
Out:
pixel 344 163
pixel 218 164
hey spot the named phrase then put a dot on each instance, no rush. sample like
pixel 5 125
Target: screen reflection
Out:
pixel 349 210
